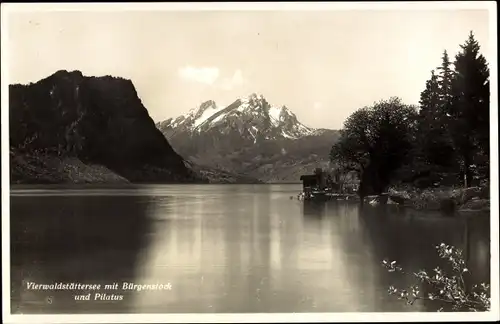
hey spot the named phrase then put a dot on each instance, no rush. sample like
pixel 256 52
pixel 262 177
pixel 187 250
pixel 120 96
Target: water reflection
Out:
pixel 80 239
pixel 230 249
pixel 314 209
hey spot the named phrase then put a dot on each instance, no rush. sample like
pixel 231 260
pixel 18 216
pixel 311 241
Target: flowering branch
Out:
pixel 451 290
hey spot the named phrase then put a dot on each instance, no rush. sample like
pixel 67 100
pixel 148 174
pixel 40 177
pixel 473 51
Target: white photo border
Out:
pixel 256 317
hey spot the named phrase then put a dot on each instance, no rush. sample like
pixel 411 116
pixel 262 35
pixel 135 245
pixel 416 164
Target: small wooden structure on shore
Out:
pixel 324 186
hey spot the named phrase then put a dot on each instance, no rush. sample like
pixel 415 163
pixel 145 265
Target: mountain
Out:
pixel 249 137
pixel 71 128
pixel 253 117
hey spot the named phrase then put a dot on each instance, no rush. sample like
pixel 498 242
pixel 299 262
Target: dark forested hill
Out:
pixel 72 128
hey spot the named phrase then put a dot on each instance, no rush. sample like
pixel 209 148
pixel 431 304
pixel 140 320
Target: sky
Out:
pixel 323 65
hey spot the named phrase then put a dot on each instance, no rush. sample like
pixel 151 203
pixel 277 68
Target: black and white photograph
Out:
pixel 235 162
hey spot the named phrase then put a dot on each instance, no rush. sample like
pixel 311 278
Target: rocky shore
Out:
pixel 445 199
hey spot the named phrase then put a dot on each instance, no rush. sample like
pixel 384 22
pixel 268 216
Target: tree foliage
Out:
pixel 469 106
pixel 376 141
pixel 448 136
pixel 433 141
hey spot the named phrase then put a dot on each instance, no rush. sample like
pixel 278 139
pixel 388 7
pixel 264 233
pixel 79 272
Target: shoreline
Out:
pixel 16 186
pixel 448 200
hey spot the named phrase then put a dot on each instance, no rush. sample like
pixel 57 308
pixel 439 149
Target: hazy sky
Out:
pixel 323 65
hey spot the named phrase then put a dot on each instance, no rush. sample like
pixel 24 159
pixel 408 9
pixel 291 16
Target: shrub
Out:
pixel 447 289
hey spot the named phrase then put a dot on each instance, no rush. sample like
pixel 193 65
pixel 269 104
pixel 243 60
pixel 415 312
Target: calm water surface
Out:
pixel 222 248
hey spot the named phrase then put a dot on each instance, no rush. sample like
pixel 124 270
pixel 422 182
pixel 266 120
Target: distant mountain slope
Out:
pixel 72 128
pixel 250 137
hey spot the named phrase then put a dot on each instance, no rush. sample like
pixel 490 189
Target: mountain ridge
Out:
pixel 208 114
pixel 249 137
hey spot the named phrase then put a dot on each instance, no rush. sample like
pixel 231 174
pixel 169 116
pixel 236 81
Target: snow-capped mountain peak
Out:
pixel 207 105
pixel 251 116
pixel 204 112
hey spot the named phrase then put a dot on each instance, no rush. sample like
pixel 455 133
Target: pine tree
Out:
pixel 469 107
pixel 430 100
pixel 433 140
pixel 445 80
pixel 446 75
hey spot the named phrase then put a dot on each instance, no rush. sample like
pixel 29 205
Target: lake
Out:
pixel 222 248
